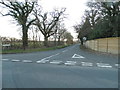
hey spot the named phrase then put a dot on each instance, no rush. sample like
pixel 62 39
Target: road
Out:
pixel 69 67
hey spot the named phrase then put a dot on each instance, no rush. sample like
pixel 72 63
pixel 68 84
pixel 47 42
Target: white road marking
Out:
pixel 77 56
pixel 70 63
pixel 57 54
pixel 42 61
pixel 116 65
pixel 27 61
pixel 64 50
pixel 4 59
pixel 104 65
pixel 50 56
pixel 14 60
pixel 56 62
pixel 87 64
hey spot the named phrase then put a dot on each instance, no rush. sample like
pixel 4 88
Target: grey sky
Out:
pixel 75 9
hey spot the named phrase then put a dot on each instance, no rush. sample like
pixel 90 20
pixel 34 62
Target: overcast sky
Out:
pixel 74 9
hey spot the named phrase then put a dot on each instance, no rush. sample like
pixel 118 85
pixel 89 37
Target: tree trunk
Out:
pixel 59 40
pixel 25 37
pixel 45 41
pixel 81 39
pixel 55 42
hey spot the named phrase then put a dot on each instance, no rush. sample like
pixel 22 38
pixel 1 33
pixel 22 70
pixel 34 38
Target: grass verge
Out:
pixel 31 50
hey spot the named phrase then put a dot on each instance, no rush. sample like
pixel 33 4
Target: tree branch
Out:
pixel 30 22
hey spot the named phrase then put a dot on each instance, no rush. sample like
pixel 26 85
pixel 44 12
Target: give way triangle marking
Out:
pixel 77 56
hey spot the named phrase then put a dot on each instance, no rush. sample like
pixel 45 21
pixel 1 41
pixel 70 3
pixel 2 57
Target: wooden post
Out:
pixel 98 45
pixel 107 46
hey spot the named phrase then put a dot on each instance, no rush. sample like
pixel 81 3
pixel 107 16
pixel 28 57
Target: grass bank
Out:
pixel 31 50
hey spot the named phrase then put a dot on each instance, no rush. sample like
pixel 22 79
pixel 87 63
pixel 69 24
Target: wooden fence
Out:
pixel 109 45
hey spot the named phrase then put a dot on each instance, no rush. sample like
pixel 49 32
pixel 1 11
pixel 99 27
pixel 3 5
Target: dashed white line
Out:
pixel 4 59
pixel 70 63
pixel 42 61
pixel 104 65
pixel 27 61
pixel 56 62
pixel 67 63
pixel 14 60
pixel 87 64
pixel 116 65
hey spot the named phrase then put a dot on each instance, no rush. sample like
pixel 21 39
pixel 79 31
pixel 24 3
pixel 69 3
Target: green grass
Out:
pixel 31 50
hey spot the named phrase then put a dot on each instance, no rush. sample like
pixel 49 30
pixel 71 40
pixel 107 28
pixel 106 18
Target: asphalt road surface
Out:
pixel 69 67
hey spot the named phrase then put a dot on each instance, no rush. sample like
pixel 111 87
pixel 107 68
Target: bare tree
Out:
pixel 47 21
pixel 61 31
pixel 35 35
pixel 20 12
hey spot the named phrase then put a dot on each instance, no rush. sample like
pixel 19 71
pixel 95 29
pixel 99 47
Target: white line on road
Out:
pixel 70 63
pixel 42 61
pixel 77 56
pixel 56 62
pixel 87 64
pixel 50 56
pixel 27 61
pixel 4 59
pixel 116 65
pixel 104 65
pixel 65 51
pixel 14 60
pixel 57 54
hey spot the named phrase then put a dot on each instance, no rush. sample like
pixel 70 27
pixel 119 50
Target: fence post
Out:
pixel 107 46
pixel 98 45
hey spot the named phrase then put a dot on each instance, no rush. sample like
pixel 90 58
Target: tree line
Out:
pixel 30 14
pixel 100 20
